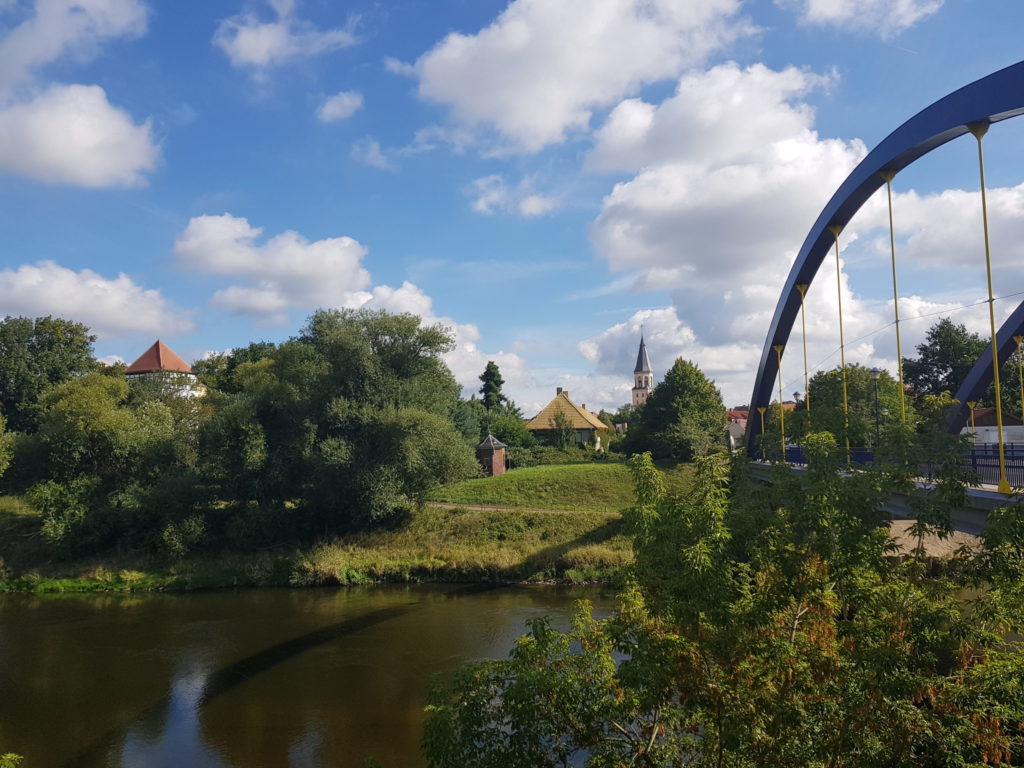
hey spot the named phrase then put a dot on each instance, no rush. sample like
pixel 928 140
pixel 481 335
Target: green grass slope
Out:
pixel 597 486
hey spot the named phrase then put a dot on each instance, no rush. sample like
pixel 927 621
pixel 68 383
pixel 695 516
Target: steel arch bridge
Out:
pixel 970 109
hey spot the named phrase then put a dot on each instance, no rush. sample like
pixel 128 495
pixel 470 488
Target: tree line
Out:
pixel 343 427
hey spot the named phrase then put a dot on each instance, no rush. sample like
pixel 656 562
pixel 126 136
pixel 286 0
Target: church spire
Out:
pixel 643 365
pixel 643 376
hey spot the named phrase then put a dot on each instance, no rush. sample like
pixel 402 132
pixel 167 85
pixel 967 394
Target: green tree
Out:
pixel 563 433
pixel 6 446
pixel 682 418
pixel 36 353
pixel 945 357
pixel 765 627
pixel 826 414
pixel 490 391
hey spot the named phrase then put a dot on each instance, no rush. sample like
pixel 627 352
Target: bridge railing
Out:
pixel 981 458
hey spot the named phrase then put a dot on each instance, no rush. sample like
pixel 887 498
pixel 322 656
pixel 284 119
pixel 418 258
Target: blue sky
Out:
pixel 542 175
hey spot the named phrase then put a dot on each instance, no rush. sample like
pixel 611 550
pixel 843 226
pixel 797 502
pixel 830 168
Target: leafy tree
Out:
pixel 468 417
pixel 36 353
pixel 682 418
pixel 6 446
pixel 563 433
pixel 945 357
pixel 490 392
pixel 765 627
pixel 826 413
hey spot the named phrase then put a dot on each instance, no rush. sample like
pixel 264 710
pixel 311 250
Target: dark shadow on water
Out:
pixel 226 678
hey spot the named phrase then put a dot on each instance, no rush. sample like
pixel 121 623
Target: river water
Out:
pixel 306 677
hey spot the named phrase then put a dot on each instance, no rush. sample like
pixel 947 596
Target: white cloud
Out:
pixel 285 271
pixel 109 306
pixel 541 68
pixel 723 115
pixel 732 177
pixel 398 67
pixel 886 17
pixel 259 45
pixel 71 134
pixel 493 195
pixel 62 27
pixel 368 152
pixel 340 106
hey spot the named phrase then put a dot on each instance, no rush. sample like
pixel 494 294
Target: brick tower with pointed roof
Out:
pixel 643 376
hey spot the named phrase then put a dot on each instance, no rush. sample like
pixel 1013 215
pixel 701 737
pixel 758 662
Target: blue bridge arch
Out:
pixel 993 98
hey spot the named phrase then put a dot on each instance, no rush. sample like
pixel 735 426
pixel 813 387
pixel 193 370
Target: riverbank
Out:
pixel 439 544
pixel 549 524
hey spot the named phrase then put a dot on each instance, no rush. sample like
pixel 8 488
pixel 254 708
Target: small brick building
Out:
pixel 491 455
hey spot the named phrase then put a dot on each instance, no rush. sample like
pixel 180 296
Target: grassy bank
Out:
pixel 436 545
pixel 563 525
pixel 595 486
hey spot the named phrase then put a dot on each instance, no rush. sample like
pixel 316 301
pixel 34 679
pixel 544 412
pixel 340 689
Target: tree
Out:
pixel 826 390
pixel 36 353
pixel 682 418
pixel 563 432
pixel 764 627
pixel 490 392
pixel 945 357
pixel 6 446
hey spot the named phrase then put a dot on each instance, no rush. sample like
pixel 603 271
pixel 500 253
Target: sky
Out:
pixel 542 176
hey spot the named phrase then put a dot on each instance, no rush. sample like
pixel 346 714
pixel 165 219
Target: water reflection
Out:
pixel 261 678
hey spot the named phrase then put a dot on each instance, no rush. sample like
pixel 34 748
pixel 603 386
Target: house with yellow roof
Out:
pixel 587 426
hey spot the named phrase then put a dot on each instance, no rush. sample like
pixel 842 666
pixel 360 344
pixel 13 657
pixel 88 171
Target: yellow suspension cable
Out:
pixel 803 325
pixel 782 411
pixel 835 230
pixel 979 129
pixel 888 176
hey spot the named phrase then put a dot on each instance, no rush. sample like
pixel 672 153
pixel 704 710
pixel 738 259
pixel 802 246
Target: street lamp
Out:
pixel 875 373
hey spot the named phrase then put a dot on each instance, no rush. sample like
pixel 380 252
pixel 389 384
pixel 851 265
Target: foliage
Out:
pixel 564 434
pixel 946 356
pixel 766 626
pixel 682 418
pixel 826 414
pixel 595 485
pixel 6 446
pixel 36 353
pixel 10 760
pixel 490 391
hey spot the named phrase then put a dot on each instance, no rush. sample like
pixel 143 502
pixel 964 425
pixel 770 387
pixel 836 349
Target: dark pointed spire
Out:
pixel 643 365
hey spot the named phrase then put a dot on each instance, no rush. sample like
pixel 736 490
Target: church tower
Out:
pixel 643 377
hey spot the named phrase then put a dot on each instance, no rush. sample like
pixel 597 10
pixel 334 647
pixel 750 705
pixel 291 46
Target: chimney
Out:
pixel 584 406
pixel 558 391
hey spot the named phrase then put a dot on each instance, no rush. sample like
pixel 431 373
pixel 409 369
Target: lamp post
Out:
pixel 761 409
pixel 974 432
pixel 875 373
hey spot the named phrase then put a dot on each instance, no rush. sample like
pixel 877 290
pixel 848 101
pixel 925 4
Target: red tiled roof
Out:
pixel 986 417
pixel 159 357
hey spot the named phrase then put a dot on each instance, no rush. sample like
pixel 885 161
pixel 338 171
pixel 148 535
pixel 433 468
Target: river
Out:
pixel 305 677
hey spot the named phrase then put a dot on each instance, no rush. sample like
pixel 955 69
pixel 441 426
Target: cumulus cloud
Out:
pixel 285 271
pixel 368 152
pixel 541 68
pixel 109 306
pixel 340 106
pixel 885 17
pixel 492 194
pixel 61 27
pixel 71 134
pixel 731 176
pixel 259 45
